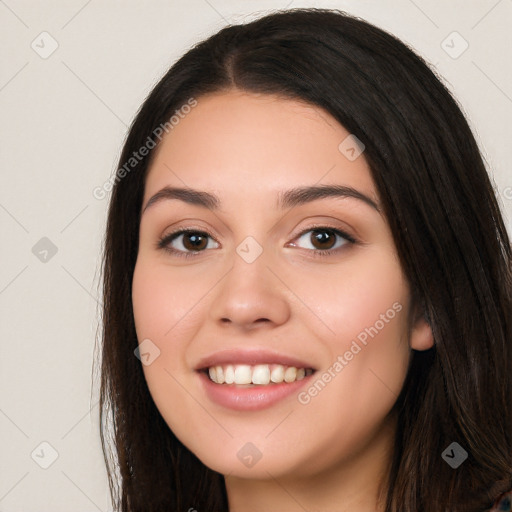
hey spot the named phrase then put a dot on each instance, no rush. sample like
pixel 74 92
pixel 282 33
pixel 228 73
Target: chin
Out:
pixel 245 460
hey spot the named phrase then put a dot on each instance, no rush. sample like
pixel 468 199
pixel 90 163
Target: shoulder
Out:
pixel 503 503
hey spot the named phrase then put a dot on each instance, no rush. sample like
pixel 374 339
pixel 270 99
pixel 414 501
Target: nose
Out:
pixel 250 296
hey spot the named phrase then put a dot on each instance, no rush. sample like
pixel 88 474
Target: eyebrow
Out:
pixel 286 199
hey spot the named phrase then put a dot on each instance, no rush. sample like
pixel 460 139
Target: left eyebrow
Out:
pixel 303 195
pixel 286 199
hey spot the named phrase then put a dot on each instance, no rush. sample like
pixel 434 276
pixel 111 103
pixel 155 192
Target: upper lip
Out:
pixel 250 357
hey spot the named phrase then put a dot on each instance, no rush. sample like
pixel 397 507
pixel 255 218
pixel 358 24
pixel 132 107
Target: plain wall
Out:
pixel 63 120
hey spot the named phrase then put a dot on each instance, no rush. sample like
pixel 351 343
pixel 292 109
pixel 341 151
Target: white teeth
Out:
pixel 277 374
pixel 290 374
pixel 229 375
pixel 220 374
pixel 242 374
pixel 260 374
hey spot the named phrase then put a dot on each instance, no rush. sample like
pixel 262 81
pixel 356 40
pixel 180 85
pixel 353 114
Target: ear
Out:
pixel 421 337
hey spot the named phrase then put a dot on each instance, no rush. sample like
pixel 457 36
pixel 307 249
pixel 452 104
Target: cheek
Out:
pixel 160 306
pixel 165 304
pixel 365 296
pixel 361 317
pixel 165 310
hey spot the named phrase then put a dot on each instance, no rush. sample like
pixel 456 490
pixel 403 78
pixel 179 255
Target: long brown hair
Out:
pixel 447 228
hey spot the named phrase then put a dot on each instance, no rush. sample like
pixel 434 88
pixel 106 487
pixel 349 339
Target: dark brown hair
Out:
pixel 446 225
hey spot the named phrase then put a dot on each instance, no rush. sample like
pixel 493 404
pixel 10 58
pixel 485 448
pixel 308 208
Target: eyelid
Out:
pixel 327 226
pixel 183 227
pixel 164 241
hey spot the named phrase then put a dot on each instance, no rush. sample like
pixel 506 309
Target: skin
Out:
pixel 332 453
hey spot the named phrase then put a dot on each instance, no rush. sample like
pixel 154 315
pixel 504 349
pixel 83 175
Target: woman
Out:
pixel 305 253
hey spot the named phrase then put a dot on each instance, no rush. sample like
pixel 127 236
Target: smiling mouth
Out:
pixel 255 375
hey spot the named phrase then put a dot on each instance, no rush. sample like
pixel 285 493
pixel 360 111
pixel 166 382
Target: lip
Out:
pixel 252 398
pixel 251 357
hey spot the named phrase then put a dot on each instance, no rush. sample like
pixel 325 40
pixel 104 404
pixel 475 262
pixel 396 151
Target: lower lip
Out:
pixel 251 398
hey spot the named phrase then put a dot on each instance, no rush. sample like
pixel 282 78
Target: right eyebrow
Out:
pixel 188 195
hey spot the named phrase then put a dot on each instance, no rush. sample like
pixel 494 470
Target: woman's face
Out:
pixel 276 274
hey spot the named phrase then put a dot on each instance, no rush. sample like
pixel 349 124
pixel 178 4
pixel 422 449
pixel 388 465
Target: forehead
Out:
pixel 244 142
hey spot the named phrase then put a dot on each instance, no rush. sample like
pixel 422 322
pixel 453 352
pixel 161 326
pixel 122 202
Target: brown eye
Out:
pixel 195 241
pixel 324 239
pixel 187 241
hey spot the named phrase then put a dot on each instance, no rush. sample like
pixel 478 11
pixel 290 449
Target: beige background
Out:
pixel 63 120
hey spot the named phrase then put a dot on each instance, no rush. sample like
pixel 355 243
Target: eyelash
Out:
pixel 163 243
